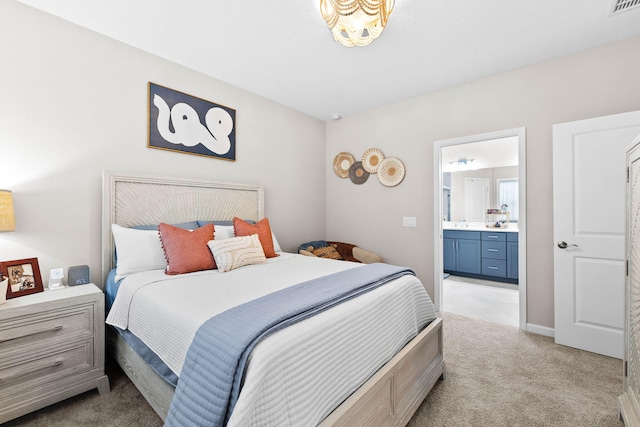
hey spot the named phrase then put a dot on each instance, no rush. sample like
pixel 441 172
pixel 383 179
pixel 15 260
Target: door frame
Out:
pixel 520 133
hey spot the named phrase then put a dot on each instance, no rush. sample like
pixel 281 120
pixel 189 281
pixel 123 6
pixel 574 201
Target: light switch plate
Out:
pixel 409 221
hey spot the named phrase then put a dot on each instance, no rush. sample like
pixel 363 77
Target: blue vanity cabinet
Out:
pixel 448 253
pixel 489 255
pixel 461 251
pixel 512 256
pixel 494 254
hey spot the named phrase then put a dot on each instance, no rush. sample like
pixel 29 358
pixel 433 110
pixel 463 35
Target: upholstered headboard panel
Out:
pixel 131 199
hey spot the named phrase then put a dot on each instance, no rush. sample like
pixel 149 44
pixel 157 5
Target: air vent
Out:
pixel 622 5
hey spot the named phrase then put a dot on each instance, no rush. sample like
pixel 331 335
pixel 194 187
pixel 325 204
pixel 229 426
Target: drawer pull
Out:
pixel 40 368
pixel 492 268
pixel 492 237
pixel 54 329
pixel 493 250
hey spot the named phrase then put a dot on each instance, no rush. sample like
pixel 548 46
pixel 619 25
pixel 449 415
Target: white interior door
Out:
pixel 476 199
pixel 589 182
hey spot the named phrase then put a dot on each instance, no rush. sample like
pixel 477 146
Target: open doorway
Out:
pixel 492 207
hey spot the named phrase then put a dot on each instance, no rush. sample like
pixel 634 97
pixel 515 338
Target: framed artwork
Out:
pixel 185 123
pixel 23 275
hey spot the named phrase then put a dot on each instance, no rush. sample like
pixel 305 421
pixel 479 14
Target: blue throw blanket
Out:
pixel 209 384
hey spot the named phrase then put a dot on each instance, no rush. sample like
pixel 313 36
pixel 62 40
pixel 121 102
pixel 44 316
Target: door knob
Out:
pixel 565 245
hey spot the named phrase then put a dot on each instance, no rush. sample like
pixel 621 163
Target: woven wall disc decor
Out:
pixel 357 174
pixel 371 160
pixel 391 172
pixel 341 164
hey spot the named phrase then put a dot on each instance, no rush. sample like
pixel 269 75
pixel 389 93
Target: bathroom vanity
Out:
pixel 480 252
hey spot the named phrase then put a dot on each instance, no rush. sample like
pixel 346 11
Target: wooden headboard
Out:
pixel 133 199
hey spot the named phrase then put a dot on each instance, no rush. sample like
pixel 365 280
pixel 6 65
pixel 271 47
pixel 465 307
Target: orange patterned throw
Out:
pixel 187 251
pixel 327 252
pixel 261 228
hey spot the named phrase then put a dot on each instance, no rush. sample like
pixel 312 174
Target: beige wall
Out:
pixel 598 82
pixel 74 103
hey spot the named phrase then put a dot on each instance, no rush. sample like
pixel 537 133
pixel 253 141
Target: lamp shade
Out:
pixel 7 218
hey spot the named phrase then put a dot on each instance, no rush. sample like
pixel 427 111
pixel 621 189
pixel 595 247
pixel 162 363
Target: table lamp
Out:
pixel 7 217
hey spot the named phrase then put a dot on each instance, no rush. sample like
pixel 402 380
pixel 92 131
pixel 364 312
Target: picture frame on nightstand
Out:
pixel 23 275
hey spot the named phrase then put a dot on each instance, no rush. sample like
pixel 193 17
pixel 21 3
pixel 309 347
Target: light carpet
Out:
pixel 496 376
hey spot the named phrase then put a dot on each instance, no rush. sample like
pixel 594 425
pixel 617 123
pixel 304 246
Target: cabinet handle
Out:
pixel 492 268
pixel 492 250
pixel 492 237
pixel 40 368
pixel 54 329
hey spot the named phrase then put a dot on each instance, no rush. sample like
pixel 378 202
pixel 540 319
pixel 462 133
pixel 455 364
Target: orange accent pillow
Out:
pixel 186 251
pixel 261 228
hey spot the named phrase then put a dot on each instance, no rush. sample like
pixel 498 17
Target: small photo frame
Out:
pixel 23 276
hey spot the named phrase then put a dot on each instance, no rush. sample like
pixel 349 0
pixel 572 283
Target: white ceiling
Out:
pixel 283 51
pixel 491 153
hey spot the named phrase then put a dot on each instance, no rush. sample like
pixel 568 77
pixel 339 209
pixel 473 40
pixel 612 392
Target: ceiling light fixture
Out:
pixel 461 165
pixel 356 22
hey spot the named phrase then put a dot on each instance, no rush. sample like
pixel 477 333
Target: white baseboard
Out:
pixel 541 330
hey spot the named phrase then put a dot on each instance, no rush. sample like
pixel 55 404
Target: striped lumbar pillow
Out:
pixel 237 252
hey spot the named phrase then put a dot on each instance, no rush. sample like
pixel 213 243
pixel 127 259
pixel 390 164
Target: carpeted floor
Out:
pixel 496 376
pixel 499 376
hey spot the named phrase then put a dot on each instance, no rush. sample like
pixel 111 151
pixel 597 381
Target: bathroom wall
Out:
pixel 458 187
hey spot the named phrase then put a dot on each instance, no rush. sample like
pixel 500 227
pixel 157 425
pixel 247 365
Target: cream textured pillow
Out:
pixel 237 252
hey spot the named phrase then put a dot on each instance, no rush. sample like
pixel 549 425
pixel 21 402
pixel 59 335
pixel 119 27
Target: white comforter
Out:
pixel 290 372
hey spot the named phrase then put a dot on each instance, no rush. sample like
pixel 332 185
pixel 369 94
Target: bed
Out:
pixel 388 390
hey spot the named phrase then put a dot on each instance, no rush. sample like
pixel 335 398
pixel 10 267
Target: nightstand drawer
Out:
pixel 62 324
pixel 45 366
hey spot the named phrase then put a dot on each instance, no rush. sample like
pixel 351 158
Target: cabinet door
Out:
pixel 449 254
pixel 512 260
pixel 469 256
pixel 629 408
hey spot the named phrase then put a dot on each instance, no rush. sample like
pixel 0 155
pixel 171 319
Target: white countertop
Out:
pixel 477 226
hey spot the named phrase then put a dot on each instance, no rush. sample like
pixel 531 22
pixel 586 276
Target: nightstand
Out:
pixel 51 348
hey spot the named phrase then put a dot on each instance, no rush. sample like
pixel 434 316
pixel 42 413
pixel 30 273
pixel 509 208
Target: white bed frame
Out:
pixel 389 398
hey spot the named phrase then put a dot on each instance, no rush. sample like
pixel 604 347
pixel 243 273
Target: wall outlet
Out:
pixel 409 221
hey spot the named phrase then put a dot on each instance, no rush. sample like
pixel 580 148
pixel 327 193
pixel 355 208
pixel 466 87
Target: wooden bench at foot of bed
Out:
pixel 394 393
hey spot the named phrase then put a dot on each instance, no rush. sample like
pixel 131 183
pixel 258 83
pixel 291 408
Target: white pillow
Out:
pixel 137 250
pixel 237 252
pixel 276 245
pixel 221 232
